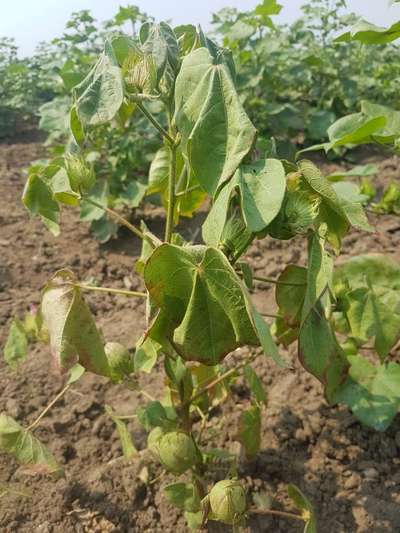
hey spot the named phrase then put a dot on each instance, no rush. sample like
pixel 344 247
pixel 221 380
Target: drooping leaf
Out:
pixel 372 392
pixel 290 293
pixel 318 349
pixel 74 337
pixel 216 132
pixel 104 228
pixel 255 385
pixel 250 431
pixel 184 496
pixel 261 187
pixel 16 347
pixel 99 193
pixel 38 199
pixel 303 504
pixel 155 415
pixel 196 288
pixel 352 212
pixel 266 340
pixel 100 95
pixel 128 448
pixel 26 448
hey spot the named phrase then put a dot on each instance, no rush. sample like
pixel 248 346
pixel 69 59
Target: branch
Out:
pixel 155 123
pixel 111 290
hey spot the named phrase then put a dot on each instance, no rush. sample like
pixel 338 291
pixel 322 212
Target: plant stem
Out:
pixel 281 514
pixel 155 123
pixel 171 194
pixel 118 217
pixel 49 406
pixel 277 282
pixel 111 290
pixel 187 191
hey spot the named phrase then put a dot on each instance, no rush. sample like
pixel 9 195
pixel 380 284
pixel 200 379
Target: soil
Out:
pixel 349 472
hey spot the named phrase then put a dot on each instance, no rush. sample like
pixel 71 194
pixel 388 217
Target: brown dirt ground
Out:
pixel 350 473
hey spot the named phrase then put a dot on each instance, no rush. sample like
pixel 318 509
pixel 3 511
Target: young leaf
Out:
pixel 196 288
pixel 73 334
pixel 128 448
pixel 303 504
pixel 184 496
pixel 26 448
pixel 16 348
pixel 159 41
pixel 146 355
pixel 371 392
pixel 250 431
pixel 216 132
pixel 255 385
pixel 100 95
pixel 155 415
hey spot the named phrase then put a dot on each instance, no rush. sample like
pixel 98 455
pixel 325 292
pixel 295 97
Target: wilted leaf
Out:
pixel 303 504
pixel 128 448
pixel 73 334
pixel 16 348
pixel 26 448
pixel 38 199
pixel 250 431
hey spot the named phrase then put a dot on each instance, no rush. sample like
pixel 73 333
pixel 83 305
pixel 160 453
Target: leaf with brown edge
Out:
pixel 74 337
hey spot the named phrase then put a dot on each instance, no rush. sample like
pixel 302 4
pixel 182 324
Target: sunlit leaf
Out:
pixel 16 347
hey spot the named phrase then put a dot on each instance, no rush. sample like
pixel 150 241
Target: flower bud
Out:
pixel 227 501
pixel 177 452
pixel 80 173
pixel 119 360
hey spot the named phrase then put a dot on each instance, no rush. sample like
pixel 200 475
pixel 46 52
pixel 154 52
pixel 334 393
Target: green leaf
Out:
pixel 76 126
pixel 290 293
pixel 75 373
pixel 268 7
pixel 74 337
pixel 103 229
pixel 194 520
pixel 99 193
pixel 250 431
pixel 100 95
pixel 368 291
pixel 303 504
pixel 372 392
pixel 16 348
pixel 196 288
pixel 38 199
pixel 146 355
pixel 184 496
pixel 155 415
pixel 128 448
pixel 318 349
pixel 352 212
pixel 216 132
pixel 261 187
pixel 61 187
pixel 368 33
pixel 26 448
pixel 255 385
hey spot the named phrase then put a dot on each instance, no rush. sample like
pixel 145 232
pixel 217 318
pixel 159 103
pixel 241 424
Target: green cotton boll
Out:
pixel 227 501
pixel 119 360
pixel 177 452
pixel 301 210
pixel 81 175
pixel 235 237
pixel 153 440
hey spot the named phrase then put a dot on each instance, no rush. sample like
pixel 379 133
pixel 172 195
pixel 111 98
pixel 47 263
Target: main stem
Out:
pixel 171 194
